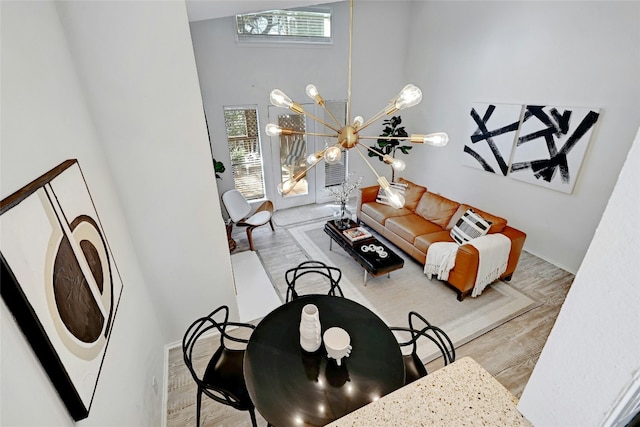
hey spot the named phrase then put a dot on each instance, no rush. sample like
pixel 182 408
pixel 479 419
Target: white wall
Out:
pixel 135 60
pixel 45 120
pixel 594 348
pixel 580 53
pixel 234 73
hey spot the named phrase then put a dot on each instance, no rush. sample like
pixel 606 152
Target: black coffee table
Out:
pixel 369 253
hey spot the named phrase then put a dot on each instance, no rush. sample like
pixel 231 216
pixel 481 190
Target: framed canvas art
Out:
pixel 59 280
pixel 492 135
pixel 551 145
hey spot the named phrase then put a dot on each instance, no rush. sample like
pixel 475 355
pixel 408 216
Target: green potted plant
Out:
pixel 392 128
pixel 218 168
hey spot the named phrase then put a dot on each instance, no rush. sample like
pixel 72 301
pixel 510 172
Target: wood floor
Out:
pixel 509 352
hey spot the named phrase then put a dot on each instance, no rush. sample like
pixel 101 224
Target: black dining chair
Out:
pixel 223 378
pixel 420 329
pixel 312 271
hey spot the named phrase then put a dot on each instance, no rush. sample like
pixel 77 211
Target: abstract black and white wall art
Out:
pixel 59 280
pixel 493 132
pixel 551 145
pixel 542 145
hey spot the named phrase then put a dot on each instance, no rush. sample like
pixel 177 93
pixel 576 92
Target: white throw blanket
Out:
pixel 441 258
pixel 493 252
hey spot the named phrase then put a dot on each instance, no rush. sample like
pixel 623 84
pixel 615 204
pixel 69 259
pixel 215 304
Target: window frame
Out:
pixel 250 160
pixel 285 38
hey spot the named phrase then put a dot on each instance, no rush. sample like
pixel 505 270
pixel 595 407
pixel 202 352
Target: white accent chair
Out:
pixel 239 209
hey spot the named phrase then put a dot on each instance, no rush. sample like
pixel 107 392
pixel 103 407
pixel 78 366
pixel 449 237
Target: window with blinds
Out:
pixel 243 137
pixel 337 173
pixel 296 25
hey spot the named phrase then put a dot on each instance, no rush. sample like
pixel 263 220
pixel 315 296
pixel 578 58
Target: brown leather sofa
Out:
pixel 427 218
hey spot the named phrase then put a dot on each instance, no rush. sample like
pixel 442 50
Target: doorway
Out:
pixel 294 150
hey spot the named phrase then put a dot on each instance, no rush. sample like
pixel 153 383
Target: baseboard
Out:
pixel 165 386
pixel 550 261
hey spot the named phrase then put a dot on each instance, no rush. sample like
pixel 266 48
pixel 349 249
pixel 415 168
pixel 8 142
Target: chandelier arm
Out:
pixel 399 138
pixel 319 120
pixel 373 119
pixel 324 106
pixel 298 176
pixel 373 150
pixel 367 162
pixel 328 135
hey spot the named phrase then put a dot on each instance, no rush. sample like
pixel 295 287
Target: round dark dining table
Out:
pixel 289 386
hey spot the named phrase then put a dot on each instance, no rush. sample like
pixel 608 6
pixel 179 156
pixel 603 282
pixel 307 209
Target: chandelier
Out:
pixel 348 136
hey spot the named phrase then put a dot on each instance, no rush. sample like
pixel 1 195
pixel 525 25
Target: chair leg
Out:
pixel 254 422
pixel 198 404
pixel 273 229
pixel 250 237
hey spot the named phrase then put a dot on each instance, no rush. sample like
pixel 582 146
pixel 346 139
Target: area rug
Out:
pixel 302 214
pixel 408 289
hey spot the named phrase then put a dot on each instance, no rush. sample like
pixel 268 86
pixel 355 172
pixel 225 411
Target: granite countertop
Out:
pixel 460 394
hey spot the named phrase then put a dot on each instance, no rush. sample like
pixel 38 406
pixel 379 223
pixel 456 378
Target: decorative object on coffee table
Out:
pixel 341 195
pixel 356 233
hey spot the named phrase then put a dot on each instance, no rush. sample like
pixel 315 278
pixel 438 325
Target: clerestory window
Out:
pixel 296 25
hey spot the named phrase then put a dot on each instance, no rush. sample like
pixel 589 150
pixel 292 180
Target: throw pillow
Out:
pixel 497 224
pixel 395 186
pixel 469 226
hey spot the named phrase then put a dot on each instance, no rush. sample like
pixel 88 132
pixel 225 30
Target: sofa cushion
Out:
pixel 410 226
pixel 423 242
pixel 437 209
pixel 380 213
pixel 497 224
pixel 470 226
pixel 412 194
pixel 395 186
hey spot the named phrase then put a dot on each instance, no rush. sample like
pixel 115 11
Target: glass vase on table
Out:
pixel 342 218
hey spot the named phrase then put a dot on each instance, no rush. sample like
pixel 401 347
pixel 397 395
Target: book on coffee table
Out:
pixel 356 233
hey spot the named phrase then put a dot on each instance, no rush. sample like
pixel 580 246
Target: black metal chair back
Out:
pixel 223 378
pixel 314 268
pixel 419 328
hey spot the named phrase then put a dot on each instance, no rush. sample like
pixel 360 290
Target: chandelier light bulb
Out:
pixel 397 164
pixel 332 155
pixel 285 187
pixel 312 158
pixel 358 121
pixel 409 96
pixel 280 99
pixel 273 130
pixel 395 200
pixel 438 139
pixel 312 91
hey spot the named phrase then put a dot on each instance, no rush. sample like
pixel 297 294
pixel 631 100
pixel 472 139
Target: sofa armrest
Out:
pixel 517 238
pixel 366 195
pixel 464 274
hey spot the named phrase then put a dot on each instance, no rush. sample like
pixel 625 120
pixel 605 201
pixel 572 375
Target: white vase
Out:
pixel 310 338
